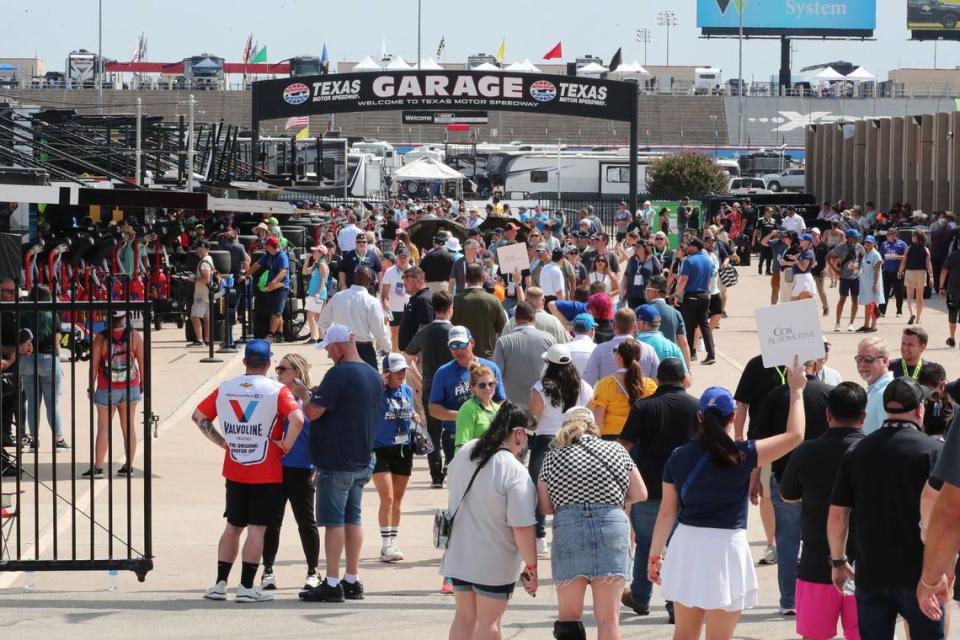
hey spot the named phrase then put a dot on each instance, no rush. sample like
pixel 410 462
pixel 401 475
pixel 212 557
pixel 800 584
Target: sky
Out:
pixel 176 29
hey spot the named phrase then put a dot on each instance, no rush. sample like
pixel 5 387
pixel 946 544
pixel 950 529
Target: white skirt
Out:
pixel 709 568
pixel 804 282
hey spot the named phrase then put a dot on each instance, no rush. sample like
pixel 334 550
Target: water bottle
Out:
pixel 29 580
pixel 849 588
pixel 112 578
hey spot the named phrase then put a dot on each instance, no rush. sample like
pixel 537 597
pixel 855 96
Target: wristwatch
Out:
pixel 838 563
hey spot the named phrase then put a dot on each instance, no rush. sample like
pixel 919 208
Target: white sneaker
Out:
pixel 312 581
pixel 542 549
pixel 769 556
pixel 268 582
pixel 253 594
pixel 217 591
pixel 836 328
pixel 390 553
pixel 850 327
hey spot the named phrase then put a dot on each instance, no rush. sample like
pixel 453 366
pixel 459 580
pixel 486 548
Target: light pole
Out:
pixel 667 19
pixel 419 15
pixel 100 57
pixel 743 7
pixel 644 37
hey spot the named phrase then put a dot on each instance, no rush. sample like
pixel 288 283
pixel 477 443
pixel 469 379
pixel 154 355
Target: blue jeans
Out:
pixel 877 611
pixel 788 544
pixel 538 450
pixel 448 442
pixel 339 496
pixel 643 515
pixel 42 380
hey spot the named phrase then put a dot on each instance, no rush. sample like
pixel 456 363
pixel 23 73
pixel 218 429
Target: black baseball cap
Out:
pixel 903 395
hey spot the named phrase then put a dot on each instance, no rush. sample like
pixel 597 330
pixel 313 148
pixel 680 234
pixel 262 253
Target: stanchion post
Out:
pixel 212 311
pixel 244 317
pixel 227 343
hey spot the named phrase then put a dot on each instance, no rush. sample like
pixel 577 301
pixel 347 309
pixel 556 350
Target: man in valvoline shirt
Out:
pixel 278 282
pixel 694 293
pixel 451 386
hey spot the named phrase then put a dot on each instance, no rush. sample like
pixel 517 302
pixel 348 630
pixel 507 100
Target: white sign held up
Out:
pixel 513 257
pixel 790 329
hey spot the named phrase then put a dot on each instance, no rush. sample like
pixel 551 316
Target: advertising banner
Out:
pixel 444 117
pixel 855 18
pixel 934 15
pixel 442 91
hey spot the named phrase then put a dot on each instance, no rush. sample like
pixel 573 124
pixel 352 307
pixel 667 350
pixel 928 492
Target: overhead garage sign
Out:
pixel 442 90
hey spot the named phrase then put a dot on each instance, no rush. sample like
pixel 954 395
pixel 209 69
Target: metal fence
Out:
pixel 53 517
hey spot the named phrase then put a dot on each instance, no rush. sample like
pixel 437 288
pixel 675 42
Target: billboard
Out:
pixel 839 18
pixel 931 19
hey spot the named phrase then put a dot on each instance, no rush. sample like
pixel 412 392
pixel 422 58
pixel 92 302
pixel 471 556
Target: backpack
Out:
pixel 123 367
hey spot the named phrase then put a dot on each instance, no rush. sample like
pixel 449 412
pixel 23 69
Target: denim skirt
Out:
pixel 590 541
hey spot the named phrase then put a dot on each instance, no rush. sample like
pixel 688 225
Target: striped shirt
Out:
pixel 602 364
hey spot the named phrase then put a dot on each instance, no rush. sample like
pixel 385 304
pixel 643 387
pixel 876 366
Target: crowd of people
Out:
pixel 561 391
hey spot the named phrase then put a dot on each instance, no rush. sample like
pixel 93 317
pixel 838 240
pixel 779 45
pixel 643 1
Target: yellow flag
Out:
pixel 502 51
pixel 303 134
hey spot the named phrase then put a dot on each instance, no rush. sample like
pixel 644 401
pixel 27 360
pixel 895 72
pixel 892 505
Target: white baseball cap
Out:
pixel 335 334
pixel 394 362
pixel 557 354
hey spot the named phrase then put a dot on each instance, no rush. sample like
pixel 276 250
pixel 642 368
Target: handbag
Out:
pixel 443 519
pixel 729 276
pixel 420 440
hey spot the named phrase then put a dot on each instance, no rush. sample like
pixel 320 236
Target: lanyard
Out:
pixel 916 370
pixel 782 373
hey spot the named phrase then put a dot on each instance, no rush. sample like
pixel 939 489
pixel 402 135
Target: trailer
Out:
pixel 578 174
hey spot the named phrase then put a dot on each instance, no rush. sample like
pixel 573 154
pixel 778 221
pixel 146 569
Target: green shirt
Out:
pixel 662 345
pixel 473 420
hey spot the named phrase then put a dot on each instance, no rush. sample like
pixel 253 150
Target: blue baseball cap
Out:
pixel 257 353
pixel 648 313
pixel 583 322
pixel 808 237
pixel 853 233
pixel 870 239
pixel 717 398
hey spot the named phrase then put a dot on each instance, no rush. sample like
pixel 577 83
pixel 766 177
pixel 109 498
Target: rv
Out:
pixel 81 69
pixel 580 174
pixel 707 80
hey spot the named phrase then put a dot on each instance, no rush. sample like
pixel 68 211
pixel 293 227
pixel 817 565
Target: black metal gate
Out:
pixel 55 518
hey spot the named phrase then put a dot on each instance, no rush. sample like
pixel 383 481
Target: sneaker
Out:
pixel 951 342
pixel 626 599
pixel 912 319
pixel 769 556
pixel 125 471
pixel 91 472
pixel 352 591
pixel 710 360
pixel 195 343
pixel 899 314
pixel 863 329
pixel 217 591
pixel 436 484
pixel 542 549
pixel 309 341
pixel 787 612
pixel 836 328
pixel 850 328
pixel 63 445
pixel 268 582
pixel 447 586
pixel 312 581
pixel 390 553
pixel 323 593
pixel 253 594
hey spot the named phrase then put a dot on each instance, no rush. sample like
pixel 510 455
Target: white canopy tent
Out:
pixel 429 64
pixel 368 64
pixel 629 70
pixel 429 170
pixel 523 67
pixel 398 64
pixel 486 66
pixel 830 75
pixel 861 75
pixel 592 69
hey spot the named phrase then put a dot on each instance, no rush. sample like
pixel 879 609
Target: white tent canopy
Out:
pixel 368 64
pixel 398 64
pixel 591 69
pixel 829 74
pixel 861 75
pixel 486 66
pixel 525 66
pixel 429 64
pixel 427 169
pixel 629 70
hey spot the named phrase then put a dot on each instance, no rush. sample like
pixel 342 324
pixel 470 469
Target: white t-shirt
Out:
pixel 793 223
pixel 398 295
pixel 347 238
pixel 580 349
pixel 552 417
pixel 552 280
pixel 481 547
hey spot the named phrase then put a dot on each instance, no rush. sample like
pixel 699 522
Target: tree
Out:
pixel 685 174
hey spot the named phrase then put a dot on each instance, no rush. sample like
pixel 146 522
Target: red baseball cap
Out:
pixel 272 242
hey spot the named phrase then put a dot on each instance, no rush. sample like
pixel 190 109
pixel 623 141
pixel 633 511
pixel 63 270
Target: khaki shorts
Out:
pixel 200 308
pixel 915 279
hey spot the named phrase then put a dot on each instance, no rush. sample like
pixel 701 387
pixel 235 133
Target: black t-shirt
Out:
pixel 237 254
pixel 388 230
pixel 8 329
pixel 437 265
pixel 902 370
pixel 775 407
pixel 351 261
pixel 43 327
pixel 881 480
pixel 820 253
pixel 656 426
pixel 810 477
pixel 756 382
pixel 952 266
pixel 417 312
pixel 766 225
pixel 430 344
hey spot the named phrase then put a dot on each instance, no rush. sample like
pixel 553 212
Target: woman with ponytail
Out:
pixel 708 572
pixel 616 393
pixel 587 483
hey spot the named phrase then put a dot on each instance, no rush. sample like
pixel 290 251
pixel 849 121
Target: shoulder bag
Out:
pixel 443 519
pixel 694 472
pixel 729 276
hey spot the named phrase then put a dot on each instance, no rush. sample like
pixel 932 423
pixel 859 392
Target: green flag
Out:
pixel 260 55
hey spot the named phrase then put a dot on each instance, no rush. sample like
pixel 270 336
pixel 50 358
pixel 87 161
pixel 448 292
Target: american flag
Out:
pixel 297 122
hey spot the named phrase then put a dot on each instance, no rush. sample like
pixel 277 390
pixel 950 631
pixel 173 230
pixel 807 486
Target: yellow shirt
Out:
pixel 616 403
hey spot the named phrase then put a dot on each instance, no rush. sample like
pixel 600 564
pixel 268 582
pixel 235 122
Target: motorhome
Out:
pixel 581 174
pixel 707 80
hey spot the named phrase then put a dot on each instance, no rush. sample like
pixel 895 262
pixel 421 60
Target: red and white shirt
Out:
pixel 251 409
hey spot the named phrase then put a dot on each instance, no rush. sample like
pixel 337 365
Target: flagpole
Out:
pixel 419 25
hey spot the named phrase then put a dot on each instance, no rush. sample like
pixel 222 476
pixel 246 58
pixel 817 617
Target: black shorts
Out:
pixel 849 288
pixel 716 305
pixel 397 459
pixel 256 504
pixel 395 318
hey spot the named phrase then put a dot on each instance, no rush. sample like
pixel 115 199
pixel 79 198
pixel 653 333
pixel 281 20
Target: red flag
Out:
pixel 556 52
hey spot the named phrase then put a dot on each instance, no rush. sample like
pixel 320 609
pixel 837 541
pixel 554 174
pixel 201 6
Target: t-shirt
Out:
pixel 204 268
pixel 275 264
pixel 473 419
pixel 881 480
pixel 657 425
pixel 417 312
pixel 430 343
pixel 810 477
pixel 948 466
pixel 436 265
pixel 352 261
pixel 805 255
pixel 756 382
pixel 251 410
pixel 451 387
pixel 342 438
pixel 664 348
pixel 551 418
pixel 397 294
pixel 616 403
pixel 698 268
pixel 850 259
pixel 717 497
pixel 396 417
pixel 552 280
pixel 483 315
pixel 570 309
pixel 589 470
pixel 900 369
pixel 481 548
pixel 892 253
pixel 671 320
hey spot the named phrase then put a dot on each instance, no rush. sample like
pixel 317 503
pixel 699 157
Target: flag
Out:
pixel 502 51
pixel 247 49
pixel 260 55
pixel 616 60
pixel 442 47
pixel 324 60
pixel 303 134
pixel 296 122
pixel 556 52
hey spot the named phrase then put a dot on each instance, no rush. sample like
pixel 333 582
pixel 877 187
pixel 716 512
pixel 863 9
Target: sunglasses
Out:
pixel 281 368
pixel 361 242
pixel 866 359
pixel 457 346
pixel 486 385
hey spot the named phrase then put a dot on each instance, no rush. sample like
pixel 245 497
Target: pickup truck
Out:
pixel 747 186
pixel 791 179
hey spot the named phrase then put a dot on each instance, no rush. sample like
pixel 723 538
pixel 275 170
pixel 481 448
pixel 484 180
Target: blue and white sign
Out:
pixel 772 16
